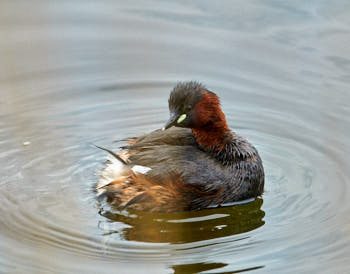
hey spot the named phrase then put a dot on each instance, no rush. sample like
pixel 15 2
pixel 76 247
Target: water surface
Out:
pixel 73 73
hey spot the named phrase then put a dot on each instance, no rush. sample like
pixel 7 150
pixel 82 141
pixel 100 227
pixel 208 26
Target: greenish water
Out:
pixel 73 73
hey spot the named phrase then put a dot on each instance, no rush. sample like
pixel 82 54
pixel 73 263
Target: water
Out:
pixel 73 73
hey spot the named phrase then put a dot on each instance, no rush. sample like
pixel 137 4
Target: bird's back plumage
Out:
pixel 180 175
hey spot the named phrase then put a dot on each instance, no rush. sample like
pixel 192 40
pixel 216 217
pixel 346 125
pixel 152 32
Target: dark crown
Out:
pixel 185 93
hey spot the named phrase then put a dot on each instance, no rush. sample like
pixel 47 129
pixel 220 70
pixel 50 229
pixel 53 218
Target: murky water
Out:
pixel 73 73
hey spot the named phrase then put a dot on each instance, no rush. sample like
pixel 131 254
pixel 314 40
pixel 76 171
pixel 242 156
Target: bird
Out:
pixel 194 162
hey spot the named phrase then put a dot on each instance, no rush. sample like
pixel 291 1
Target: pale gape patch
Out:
pixel 114 169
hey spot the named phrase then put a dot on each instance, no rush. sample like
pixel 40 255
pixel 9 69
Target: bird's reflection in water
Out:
pixel 186 227
pixel 196 268
pixel 200 267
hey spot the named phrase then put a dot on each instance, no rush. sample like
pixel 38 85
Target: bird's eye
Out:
pixel 188 108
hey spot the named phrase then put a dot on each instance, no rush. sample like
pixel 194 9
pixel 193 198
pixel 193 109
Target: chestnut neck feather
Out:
pixel 210 130
pixel 212 138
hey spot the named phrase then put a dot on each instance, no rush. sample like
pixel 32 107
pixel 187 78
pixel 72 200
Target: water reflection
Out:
pixel 196 268
pixel 72 73
pixel 200 267
pixel 187 227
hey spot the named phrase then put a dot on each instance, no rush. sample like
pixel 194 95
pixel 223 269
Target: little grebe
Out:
pixel 194 162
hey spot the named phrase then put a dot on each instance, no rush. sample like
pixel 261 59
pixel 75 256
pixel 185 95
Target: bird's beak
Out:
pixel 174 119
pixel 171 122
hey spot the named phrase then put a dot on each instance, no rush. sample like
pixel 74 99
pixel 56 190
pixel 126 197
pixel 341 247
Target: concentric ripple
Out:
pixel 74 74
